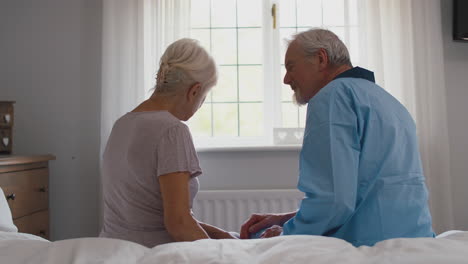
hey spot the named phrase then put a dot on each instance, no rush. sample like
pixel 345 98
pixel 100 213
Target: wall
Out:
pixel 50 65
pixel 249 170
pixel 456 74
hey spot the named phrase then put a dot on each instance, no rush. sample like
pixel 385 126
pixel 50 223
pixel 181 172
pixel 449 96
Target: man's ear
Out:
pixel 322 59
pixel 194 91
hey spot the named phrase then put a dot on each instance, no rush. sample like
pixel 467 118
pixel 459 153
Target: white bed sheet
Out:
pixel 18 248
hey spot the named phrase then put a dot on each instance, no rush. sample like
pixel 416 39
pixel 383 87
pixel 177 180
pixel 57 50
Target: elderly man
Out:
pixel 359 166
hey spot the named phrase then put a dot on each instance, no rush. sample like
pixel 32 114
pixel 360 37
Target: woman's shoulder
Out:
pixel 159 118
pixel 154 122
pixel 163 121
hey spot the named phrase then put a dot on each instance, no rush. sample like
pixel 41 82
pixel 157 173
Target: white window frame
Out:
pixel 272 97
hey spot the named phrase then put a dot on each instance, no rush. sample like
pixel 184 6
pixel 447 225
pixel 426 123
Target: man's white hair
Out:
pixel 183 64
pixel 317 38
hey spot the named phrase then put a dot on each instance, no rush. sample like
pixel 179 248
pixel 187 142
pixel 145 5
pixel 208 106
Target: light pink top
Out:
pixel 141 147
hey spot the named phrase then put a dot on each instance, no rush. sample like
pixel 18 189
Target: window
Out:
pixel 250 99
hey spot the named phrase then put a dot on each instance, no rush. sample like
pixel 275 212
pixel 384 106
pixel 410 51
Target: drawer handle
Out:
pixel 43 189
pixel 11 196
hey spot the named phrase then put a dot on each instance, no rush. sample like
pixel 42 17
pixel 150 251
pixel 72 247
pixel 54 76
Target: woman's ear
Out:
pixel 194 91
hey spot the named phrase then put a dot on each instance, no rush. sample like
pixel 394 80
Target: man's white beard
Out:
pixel 297 98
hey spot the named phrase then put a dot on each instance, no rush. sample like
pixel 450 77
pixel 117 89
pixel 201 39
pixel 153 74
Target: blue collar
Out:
pixel 357 72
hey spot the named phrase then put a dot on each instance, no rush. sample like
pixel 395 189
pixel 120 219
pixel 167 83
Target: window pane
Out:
pixel 289 115
pixel 353 12
pixel 340 32
pixel 302 115
pixel 226 88
pixel 309 13
pixel 225 119
pixel 224 48
pixel 333 13
pixel 287 13
pixel 249 13
pixel 202 35
pixel 223 13
pixel 285 34
pixel 209 96
pixel 200 13
pixel 354 45
pixel 250 46
pixel 200 123
pixel 251 119
pixel 250 83
pixel 301 29
pixel 286 91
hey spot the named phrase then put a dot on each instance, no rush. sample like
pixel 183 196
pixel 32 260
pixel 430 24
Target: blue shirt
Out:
pixel 360 167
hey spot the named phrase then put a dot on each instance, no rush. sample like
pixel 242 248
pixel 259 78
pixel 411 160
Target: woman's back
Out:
pixel 142 146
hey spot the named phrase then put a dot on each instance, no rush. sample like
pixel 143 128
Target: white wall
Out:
pixel 50 65
pixel 456 74
pixel 249 170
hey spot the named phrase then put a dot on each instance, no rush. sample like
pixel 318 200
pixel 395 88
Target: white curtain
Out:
pixel 403 45
pixel 135 34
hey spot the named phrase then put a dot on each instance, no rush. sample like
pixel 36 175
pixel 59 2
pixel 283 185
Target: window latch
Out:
pixel 273 14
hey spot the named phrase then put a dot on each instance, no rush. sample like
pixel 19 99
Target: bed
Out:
pixel 21 248
pixel 24 248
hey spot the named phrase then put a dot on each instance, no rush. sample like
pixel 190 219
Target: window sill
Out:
pixel 249 148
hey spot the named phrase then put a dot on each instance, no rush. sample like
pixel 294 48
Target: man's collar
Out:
pixel 357 72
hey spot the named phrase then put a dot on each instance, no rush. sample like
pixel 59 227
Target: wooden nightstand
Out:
pixel 25 182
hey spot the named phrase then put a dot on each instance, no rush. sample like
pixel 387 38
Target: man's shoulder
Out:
pixel 355 88
pixel 350 83
pixel 345 87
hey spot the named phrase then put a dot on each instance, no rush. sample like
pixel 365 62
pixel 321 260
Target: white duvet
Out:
pixel 21 248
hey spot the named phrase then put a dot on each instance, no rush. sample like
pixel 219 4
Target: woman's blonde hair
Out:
pixel 183 64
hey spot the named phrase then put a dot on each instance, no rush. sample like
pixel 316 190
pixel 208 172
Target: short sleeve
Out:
pixel 175 152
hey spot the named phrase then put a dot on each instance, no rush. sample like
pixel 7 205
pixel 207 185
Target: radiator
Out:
pixel 228 209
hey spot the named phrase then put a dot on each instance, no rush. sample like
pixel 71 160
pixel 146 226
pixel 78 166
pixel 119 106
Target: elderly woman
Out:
pixel 150 166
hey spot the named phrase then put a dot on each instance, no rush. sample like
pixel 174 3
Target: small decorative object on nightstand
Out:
pixel 6 127
pixel 25 182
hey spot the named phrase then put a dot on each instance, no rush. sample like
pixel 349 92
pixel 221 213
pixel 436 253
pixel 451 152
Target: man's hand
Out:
pixel 258 222
pixel 216 232
pixel 272 231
